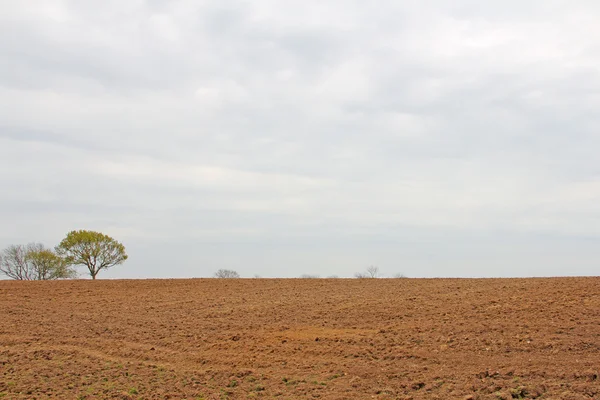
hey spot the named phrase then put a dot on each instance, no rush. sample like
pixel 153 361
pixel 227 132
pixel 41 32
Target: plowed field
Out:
pixel 290 339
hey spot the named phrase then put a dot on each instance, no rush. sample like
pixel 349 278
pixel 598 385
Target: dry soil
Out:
pixel 301 338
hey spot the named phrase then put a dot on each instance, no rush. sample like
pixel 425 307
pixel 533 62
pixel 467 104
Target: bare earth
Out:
pixel 290 339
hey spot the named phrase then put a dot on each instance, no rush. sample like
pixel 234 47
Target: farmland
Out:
pixel 293 338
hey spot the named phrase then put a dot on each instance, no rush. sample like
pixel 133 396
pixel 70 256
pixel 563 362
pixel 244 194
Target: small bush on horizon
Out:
pixel 226 274
pixel 371 273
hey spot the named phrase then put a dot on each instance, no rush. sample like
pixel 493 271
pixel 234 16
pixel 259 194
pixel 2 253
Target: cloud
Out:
pixel 303 126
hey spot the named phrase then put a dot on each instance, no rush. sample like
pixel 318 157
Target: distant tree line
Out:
pixel 371 272
pixel 94 250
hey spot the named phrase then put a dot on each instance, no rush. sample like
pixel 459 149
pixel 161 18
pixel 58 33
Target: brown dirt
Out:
pixel 314 338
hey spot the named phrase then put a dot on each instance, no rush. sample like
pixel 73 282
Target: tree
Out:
pixel 226 273
pixel 13 263
pixel 33 262
pixel 95 250
pixel 49 265
pixel 372 272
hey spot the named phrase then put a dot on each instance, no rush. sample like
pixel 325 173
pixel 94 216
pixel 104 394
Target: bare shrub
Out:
pixel 226 274
pixel 371 273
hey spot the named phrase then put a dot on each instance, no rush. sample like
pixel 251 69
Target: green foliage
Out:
pixel 95 250
pixel 50 265
pixel 33 262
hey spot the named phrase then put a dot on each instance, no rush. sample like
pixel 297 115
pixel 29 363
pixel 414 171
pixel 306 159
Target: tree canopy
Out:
pixel 94 250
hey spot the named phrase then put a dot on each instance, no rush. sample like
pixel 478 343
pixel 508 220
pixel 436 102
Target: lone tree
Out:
pixel 372 272
pixel 95 250
pixel 33 262
pixel 226 273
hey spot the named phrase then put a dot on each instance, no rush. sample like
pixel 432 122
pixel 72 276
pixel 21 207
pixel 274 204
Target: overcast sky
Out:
pixel 283 137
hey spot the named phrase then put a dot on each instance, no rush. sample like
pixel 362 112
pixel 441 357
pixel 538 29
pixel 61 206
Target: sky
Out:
pixel 437 138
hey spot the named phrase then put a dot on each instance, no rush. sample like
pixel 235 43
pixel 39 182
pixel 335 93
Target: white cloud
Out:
pixel 303 126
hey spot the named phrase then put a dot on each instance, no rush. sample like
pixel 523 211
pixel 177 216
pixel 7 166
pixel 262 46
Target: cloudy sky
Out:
pixel 278 138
